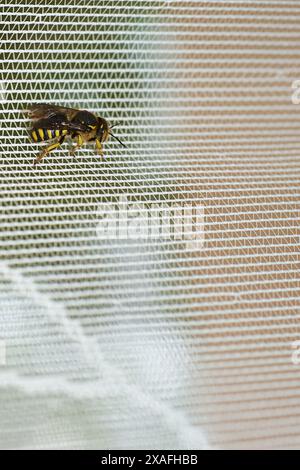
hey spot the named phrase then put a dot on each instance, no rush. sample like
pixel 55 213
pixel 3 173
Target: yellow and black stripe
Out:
pixel 40 135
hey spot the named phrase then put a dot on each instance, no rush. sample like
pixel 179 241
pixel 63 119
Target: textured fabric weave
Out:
pixel 152 343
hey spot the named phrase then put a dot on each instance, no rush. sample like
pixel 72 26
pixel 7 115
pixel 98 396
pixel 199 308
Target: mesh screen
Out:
pixel 130 340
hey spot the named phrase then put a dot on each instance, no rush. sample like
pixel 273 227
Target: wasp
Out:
pixel 55 123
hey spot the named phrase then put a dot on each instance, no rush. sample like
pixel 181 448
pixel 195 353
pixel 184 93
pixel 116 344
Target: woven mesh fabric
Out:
pixel 150 343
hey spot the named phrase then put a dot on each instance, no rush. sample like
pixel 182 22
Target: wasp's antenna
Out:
pixel 117 139
pixel 114 125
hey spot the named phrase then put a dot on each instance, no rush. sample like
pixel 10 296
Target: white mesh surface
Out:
pixel 150 343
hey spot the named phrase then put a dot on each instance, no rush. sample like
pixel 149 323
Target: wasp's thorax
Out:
pixel 86 119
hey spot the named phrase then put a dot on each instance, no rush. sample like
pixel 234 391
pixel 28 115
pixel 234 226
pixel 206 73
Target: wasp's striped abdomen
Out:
pixel 40 135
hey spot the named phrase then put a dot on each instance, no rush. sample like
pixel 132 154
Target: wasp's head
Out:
pixel 102 129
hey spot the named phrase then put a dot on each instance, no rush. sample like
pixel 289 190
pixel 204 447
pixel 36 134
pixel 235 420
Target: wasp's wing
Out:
pixel 60 122
pixel 47 116
pixel 44 111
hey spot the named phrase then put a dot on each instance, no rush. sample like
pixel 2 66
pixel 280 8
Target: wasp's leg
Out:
pixel 99 148
pixel 80 142
pixel 49 149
